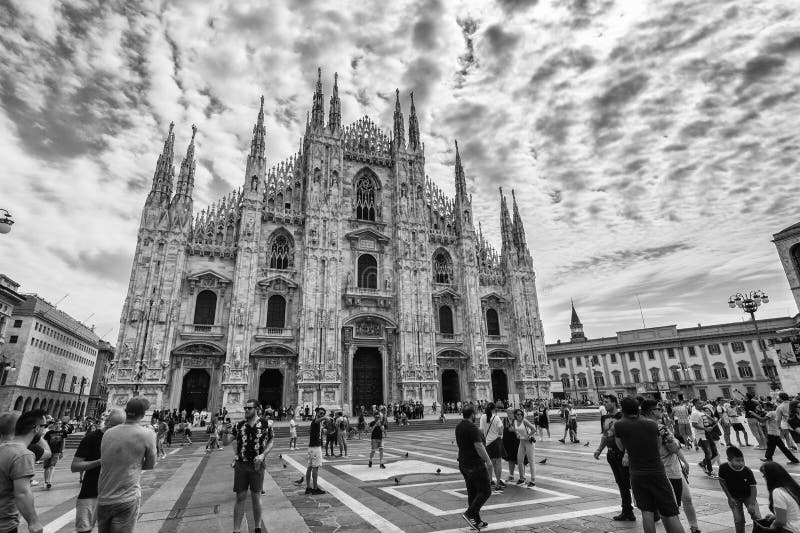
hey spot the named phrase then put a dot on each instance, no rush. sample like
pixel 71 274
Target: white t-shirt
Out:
pixel 782 499
pixel 697 418
pixel 493 429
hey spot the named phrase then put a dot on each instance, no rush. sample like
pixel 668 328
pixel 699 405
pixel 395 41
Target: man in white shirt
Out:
pixel 782 416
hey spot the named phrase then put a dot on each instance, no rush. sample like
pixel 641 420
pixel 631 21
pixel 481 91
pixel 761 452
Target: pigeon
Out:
pixel 438 471
pixel 406 454
pixel 396 481
pixel 280 456
pixel 284 465
pixel 543 461
pixel 587 444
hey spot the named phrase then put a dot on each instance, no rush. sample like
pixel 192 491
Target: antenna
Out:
pixel 107 332
pixel 640 311
pixel 87 318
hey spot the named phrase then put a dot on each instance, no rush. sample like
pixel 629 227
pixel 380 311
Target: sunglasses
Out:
pixel 249 407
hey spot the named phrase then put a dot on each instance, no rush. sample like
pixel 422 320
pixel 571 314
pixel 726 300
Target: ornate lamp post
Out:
pixel 5 221
pixel 749 302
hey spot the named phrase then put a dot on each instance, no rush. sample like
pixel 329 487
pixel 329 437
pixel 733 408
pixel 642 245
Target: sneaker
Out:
pixel 520 481
pixel 308 490
pixel 482 524
pixel 625 517
pixel 712 475
pixel 383 465
pixel 531 484
pixel 561 441
pixel 317 491
pixel 501 483
pixel 34 483
pixel 369 464
pixel 48 485
pixel 471 522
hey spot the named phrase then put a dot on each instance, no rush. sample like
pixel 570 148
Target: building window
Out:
pixel 737 346
pixel 599 380
pixel 635 376
pixel 13 339
pixel 698 373
pixel 442 268
pixel 676 374
pixel 578 361
pixel 671 353
pixel 703 395
pixel 565 381
pixel 581 381
pixel 762 344
pixel 714 349
pixel 745 371
pixel 367 272
pixel 617 378
pixel 720 372
pixel 34 377
pixel 61 382
pixel 654 374
pixel 651 356
pixel 770 371
pixel 562 363
pixel 72 385
pixel 365 199
pixel 18 323
pixel 613 358
pixel 692 351
pixel 281 252
pixel 205 308
pixel 48 382
pixel 632 357
pixel 446 320
pixel 492 323
pixel 726 392
pixel 276 312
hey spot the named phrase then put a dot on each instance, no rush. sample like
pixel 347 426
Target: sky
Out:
pixel 653 145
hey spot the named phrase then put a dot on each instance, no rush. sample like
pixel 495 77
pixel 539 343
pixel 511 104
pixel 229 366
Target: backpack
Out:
pixel 342 424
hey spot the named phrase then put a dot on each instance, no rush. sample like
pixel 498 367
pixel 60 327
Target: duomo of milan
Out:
pixel 340 276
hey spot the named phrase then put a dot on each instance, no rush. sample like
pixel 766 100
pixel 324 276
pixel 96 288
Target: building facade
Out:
pixel 98 392
pixel 9 298
pixel 667 362
pixel 341 276
pixel 787 242
pixel 55 359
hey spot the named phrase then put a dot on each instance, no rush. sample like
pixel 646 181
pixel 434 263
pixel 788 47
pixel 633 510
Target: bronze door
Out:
pixel 194 394
pixel 367 378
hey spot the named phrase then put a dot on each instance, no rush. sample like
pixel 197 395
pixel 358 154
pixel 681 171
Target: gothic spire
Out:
pixel 519 230
pixel 575 320
pixel 258 144
pixel 575 326
pixel 165 169
pixel 505 224
pixel 335 109
pixel 413 128
pixel 399 128
pixel 461 182
pixel 318 109
pixel 186 176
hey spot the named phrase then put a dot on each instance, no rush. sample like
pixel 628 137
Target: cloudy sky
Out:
pixel 653 145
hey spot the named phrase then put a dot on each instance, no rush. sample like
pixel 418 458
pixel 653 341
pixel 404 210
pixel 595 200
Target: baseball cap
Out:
pixel 136 407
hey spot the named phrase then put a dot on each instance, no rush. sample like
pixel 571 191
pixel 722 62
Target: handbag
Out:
pixel 762 525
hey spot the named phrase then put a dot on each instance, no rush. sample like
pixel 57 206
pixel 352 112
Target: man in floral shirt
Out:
pixel 253 442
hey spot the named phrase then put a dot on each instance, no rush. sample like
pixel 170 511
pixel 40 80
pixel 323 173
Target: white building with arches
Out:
pixel 340 276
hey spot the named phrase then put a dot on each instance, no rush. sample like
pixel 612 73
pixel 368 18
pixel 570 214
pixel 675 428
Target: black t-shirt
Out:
pixel 89 450
pixel 640 438
pixel 377 429
pixel 467 434
pixel 751 407
pixel 315 432
pixel 55 438
pixel 737 481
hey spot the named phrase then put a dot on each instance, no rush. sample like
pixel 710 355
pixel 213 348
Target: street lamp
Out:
pixel 5 221
pixel 6 367
pixel 749 302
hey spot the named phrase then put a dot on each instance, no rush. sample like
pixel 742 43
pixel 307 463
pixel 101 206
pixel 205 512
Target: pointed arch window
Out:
pixel 365 199
pixel 492 323
pixel 442 268
pixel 445 320
pixel 205 308
pixel 281 252
pixel 367 272
pixel 276 312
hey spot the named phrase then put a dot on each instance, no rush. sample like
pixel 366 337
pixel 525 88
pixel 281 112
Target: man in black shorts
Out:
pixel 56 438
pixel 476 467
pixel 638 436
pixel 253 442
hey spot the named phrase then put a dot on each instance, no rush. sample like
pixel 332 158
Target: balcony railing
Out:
pixel 448 337
pixel 264 333
pixel 359 296
pixel 202 330
pixel 496 339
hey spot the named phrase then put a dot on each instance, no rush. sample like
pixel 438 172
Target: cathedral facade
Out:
pixel 341 276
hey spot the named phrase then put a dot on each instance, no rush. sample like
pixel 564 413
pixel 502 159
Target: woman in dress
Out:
pixel 526 435
pixel 544 421
pixel 492 428
pixel 784 498
pixel 511 446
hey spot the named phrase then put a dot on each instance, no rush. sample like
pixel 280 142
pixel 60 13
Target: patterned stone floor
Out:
pixel 191 491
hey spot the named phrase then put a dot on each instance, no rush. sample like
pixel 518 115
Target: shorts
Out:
pixel 377 444
pixel 495 449
pixel 785 425
pixel 677 488
pixel 52 461
pixel 737 426
pixel 246 476
pixel 85 514
pixel 654 493
pixel 293 434
pixel 117 517
pixel 314 457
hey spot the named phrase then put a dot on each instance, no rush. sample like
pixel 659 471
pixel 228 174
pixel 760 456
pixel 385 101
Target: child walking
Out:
pixel 739 485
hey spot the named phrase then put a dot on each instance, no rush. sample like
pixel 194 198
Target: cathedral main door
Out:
pixel 194 394
pixel 367 378
pixel 499 385
pixel 450 389
pixel 270 388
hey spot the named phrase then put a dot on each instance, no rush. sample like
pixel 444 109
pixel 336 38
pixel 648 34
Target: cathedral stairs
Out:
pixel 431 422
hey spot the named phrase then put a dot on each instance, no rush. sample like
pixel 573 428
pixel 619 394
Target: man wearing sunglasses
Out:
pixel 254 438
